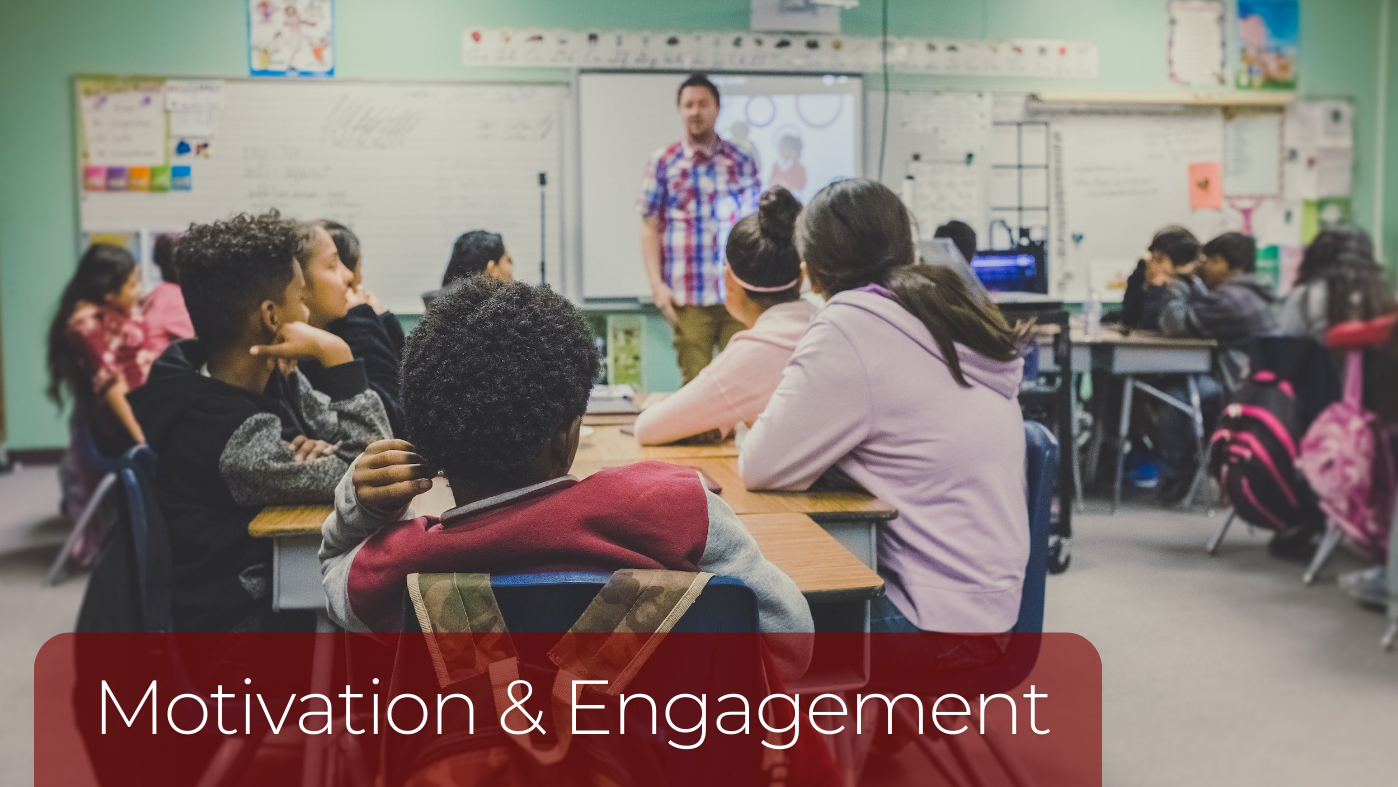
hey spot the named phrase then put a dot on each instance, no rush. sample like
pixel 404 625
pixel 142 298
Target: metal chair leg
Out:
pixel 58 571
pixel 1076 453
pixel 1217 540
pixel 1390 636
pixel 1197 418
pixel 1333 536
pixel 1123 430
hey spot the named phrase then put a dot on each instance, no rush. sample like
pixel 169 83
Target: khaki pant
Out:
pixel 700 331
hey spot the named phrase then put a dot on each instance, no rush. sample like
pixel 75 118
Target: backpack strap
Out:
pixel 1354 377
pixel 464 607
pixel 637 607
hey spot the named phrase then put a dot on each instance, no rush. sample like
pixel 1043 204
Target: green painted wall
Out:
pixel 43 45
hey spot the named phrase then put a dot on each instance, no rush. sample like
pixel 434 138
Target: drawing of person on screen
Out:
pixel 692 193
pixel 787 170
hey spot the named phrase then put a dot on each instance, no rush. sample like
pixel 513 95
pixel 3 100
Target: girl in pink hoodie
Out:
pixel 764 293
pixel 908 383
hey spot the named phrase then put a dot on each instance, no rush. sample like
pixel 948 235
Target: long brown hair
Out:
pixel 103 270
pixel 857 232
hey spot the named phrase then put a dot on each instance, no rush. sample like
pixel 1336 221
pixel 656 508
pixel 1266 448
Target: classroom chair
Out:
pixel 550 603
pixel 130 592
pixel 84 541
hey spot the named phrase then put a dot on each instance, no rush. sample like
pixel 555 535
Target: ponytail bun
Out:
pixel 776 214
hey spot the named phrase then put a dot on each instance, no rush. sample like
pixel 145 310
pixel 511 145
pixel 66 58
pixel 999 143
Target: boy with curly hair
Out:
pixel 236 428
pixel 495 382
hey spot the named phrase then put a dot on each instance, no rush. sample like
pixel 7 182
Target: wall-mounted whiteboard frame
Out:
pixel 399 271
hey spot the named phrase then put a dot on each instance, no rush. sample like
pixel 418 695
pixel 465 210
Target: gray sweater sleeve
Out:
pixel 349 413
pixel 259 466
pixel 731 551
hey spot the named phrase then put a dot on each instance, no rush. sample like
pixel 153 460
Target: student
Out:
pixel 97 353
pixel 764 293
pixel 166 318
pixel 1225 302
pixel 962 236
pixel 336 306
pixel 907 383
pixel 232 432
pixel 476 252
pixel 351 256
pixel 1173 254
pixel 1338 280
pixel 496 380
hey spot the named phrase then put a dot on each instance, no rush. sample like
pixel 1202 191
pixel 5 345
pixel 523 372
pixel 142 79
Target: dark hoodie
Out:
pixel 372 341
pixel 1239 311
pixel 223 454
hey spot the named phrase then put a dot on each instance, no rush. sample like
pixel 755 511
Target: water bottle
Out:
pixel 1092 315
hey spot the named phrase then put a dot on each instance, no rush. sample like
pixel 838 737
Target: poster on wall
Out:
pixel 1268 39
pixel 1197 50
pixel 291 38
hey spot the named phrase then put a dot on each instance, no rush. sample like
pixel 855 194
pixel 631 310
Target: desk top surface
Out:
pixel 606 443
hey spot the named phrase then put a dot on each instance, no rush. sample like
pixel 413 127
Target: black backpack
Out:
pixel 1252 455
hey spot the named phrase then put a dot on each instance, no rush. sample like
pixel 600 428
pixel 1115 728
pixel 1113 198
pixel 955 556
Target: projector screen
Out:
pixel 804 132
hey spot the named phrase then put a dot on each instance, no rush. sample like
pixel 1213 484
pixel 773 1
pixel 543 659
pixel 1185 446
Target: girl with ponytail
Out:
pixel 764 294
pixel 907 382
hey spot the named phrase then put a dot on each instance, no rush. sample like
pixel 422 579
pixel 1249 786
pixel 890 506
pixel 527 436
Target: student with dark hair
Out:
pixel 1159 278
pixel 1223 301
pixel 351 256
pixel 764 294
pixel 97 352
pixel 961 235
pixel 1338 280
pixel 496 380
pixel 1371 586
pixel 330 291
pixel 167 320
pixel 906 382
pixel 476 253
pixel 692 194
pixel 234 430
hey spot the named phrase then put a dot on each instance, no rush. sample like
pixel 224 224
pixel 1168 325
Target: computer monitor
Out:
pixel 1012 270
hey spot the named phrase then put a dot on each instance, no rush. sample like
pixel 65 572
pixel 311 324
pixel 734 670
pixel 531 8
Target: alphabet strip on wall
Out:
pixel 744 51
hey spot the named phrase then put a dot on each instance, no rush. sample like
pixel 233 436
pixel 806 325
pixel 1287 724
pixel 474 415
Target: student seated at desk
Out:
pixel 1174 253
pixel 1338 280
pixel 336 306
pixel 496 380
pixel 476 253
pixel 1225 302
pixel 352 256
pixel 907 382
pixel 234 433
pixel 764 294
pixel 167 320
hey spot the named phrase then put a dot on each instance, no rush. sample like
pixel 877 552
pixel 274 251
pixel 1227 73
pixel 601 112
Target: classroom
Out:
pixel 840 392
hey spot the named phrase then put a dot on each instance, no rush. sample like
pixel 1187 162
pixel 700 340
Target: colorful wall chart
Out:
pixel 291 38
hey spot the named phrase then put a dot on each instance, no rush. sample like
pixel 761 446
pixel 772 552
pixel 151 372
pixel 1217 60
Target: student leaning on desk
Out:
pixel 496 380
pixel 907 382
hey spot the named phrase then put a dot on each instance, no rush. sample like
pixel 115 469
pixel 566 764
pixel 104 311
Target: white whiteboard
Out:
pixel 625 117
pixel 408 167
pixel 1117 180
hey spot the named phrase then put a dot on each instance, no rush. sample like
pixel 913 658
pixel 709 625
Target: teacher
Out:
pixel 692 194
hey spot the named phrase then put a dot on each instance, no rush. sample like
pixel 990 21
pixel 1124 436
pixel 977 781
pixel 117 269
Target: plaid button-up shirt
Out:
pixel 697 196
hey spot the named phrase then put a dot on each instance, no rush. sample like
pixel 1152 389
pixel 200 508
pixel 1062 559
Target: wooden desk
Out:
pixel 608 444
pixel 821 567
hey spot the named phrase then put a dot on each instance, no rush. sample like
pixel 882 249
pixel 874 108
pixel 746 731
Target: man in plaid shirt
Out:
pixel 692 194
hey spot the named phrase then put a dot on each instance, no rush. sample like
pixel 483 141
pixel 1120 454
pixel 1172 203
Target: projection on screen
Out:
pixel 803 131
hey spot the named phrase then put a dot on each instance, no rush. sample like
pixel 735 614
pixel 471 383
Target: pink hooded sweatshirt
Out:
pixel 868 391
pixel 736 386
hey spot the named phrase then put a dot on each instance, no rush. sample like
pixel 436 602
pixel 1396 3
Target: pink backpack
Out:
pixel 1348 463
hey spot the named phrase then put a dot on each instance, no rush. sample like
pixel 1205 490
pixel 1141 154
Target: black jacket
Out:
pixel 223 455
pixel 373 341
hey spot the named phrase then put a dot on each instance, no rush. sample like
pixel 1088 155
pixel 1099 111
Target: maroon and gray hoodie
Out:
pixel 645 515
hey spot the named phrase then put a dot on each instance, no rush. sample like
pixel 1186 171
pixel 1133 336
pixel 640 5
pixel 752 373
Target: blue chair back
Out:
pixel 150 542
pixel 1041 456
